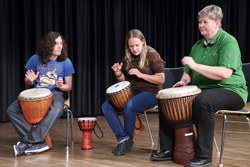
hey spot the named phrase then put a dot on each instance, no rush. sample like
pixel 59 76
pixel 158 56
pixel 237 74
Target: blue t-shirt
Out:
pixel 49 72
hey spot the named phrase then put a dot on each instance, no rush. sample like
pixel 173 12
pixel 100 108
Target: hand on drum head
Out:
pixel 117 67
pixel 185 80
pixel 179 84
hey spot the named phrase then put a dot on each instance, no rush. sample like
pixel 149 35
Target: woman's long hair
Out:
pixel 46 45
pixel 145 49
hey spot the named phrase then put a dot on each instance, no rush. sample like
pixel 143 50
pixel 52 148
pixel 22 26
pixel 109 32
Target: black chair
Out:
pixel 245 113
pixel 172 75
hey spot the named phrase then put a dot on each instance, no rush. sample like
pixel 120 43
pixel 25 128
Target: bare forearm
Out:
pixel 28 82
pixel 213 72
pixel 186 78
pixel 119 76
pixel 158 78
pixel 66 87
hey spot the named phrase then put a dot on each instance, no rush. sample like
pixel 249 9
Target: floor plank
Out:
pixel 236 152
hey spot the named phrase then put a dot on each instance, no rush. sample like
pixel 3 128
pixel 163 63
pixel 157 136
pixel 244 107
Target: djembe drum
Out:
pixel 35 104
pixel 86 125
pixel 176 106
pixel 119 94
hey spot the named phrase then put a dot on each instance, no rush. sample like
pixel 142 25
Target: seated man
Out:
pixel 48 68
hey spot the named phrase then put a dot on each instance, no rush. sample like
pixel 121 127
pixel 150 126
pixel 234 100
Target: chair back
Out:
pixel 172 75
pixel 246 71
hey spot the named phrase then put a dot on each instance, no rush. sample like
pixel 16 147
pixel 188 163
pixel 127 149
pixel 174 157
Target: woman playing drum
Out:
pixel 143 67
pixel 50 69
pixel 215 67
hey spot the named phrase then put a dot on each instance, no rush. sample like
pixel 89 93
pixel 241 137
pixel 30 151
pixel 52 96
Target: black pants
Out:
pixel 204 108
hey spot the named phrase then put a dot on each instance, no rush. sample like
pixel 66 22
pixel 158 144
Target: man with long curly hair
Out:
pixel 48 68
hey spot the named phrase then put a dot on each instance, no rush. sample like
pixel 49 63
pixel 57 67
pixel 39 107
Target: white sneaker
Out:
pixel 36 148
pixel 19 148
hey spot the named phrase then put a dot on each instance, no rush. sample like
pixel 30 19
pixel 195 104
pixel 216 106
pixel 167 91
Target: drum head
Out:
pixel 118 87
pixel 177 92
pixel 35 93
pixel 84 119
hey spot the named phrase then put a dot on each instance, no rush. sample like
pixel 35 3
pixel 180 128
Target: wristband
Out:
pixel 118 74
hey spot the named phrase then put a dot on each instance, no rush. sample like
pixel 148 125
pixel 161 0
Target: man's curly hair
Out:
pixel 46 45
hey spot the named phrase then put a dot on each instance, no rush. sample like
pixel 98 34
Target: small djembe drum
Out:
pixel 86 125
pixel 35 104
pixel 176 106
pixel 119 94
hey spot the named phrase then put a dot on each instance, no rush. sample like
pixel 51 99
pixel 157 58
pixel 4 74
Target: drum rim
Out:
pixel 159 95
pixel 35 98
pixel 81 119
pixel 112 93
pixel 47 93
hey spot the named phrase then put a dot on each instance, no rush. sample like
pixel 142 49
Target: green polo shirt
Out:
pixel 223 50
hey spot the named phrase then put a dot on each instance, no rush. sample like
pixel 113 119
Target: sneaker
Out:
pixel 36 148
pixel 123 147
pixel 19 148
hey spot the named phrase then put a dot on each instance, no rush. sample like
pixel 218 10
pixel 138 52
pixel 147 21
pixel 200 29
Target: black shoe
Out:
pixel 199 162
pixel 162 156
pixel 123 147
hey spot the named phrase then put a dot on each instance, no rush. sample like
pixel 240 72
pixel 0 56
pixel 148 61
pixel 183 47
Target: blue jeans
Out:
pixel 28 133
pixel 137 103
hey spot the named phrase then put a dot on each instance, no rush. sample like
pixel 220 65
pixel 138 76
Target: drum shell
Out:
pixel 35 109
pixel 119 99
pixel 86 125
pixel 177 111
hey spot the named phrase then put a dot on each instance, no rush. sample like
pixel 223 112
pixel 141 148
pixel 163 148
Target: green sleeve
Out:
pixel 229 55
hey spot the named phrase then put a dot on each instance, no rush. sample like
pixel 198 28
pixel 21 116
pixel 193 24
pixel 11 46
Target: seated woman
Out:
pixel 215 66
pixel 143 67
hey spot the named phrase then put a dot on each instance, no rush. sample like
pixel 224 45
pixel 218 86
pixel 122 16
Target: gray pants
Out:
pixel 28 133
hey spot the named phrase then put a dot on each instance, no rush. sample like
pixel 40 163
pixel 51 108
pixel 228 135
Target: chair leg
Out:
pixel 149 130
pixel 216 145
pixel 69 117
pixel 158 145
pixel 248 121
pixel 222 139
pixel 67 129
pixel 71 127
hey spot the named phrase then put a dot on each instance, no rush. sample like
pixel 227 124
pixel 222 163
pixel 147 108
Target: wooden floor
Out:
pixel 236 152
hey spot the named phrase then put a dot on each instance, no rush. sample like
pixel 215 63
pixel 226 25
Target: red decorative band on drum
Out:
pixel 35 98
